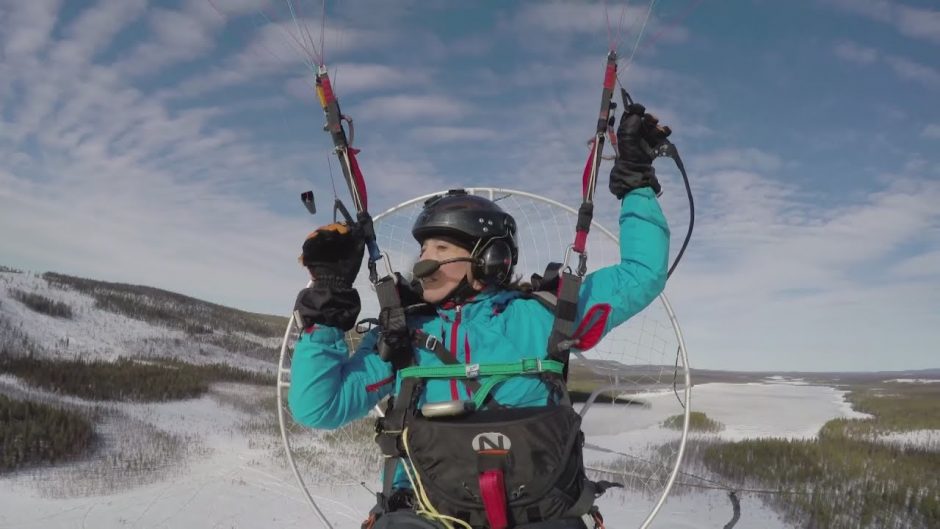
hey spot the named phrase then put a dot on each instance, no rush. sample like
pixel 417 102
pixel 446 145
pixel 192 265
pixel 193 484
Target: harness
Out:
pixel 475 463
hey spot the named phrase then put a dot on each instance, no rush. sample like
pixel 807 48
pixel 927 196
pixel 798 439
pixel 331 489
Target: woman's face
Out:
pixel 442 282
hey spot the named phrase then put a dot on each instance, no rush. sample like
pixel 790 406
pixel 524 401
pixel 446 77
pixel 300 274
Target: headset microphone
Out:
pixel 426 267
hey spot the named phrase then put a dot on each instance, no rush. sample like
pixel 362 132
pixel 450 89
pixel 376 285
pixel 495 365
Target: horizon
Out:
pixel 784 373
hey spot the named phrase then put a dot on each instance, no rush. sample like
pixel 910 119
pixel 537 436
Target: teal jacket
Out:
pixel 330 388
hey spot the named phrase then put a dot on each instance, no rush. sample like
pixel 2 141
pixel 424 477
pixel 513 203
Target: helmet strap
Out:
pixel 461 293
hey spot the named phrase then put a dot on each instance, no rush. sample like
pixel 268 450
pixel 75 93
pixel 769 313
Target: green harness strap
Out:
pixel 496 373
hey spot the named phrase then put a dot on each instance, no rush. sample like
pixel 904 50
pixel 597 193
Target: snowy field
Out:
pixel 93 333
pixel 230 479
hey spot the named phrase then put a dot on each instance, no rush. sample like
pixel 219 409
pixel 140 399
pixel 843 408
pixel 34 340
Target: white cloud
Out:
pixel 931 131
pixel 903 67
pixel 472 45
pixel 556 18
pixel 566 17
pixel 856 53
pixel 914 22
pixel 395 178
pixel 454 134
pixel 177 36
pixel 880 10
pixel 148 227
pixel 94 29
pixel 26 26
pixel 577 69
pixel 302 88
pixel 770 273
pixel 275 49
pixel 925 264
pixel 352 78
pixel 550 26
pixel 919 23
pixel 130 188
pixel 357 77
pixel 412 107
pixel 914 71
pixel 746 159
pixel 109 182
pixel 224 8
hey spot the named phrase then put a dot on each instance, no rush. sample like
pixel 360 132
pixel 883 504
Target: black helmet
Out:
pixel 477 224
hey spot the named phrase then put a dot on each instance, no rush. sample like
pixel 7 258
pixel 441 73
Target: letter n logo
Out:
pixel 493 443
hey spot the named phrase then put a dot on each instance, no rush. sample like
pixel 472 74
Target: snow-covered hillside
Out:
pixel 95 333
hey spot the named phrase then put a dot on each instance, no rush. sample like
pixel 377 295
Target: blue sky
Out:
pixel 165 143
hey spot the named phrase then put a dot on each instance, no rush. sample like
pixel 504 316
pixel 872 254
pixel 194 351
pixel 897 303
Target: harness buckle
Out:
pixel 431 342
pixel 527 365
pixel 473 370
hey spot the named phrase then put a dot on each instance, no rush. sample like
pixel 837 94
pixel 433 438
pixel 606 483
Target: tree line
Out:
pixel 125 379
pixel 42 304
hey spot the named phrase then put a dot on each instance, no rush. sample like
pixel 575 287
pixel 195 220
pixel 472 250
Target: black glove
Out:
pixel 327 304
pixel 410 292
pixel 333 255
pixel 638 136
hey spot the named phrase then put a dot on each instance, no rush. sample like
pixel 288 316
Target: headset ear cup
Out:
pixel 494 266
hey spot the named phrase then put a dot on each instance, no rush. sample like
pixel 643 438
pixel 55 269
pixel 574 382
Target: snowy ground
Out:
pixel 233 480
pixel 93 333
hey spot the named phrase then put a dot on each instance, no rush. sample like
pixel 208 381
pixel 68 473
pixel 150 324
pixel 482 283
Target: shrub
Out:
pixel 698 422
pixel 32 433
pixel 125 379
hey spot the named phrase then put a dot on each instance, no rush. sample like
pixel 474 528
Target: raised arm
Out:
pixel 620 291
pixel 328 387
pixel 629 286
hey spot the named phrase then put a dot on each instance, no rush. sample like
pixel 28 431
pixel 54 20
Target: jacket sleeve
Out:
pixel 328 387
pixel 625 289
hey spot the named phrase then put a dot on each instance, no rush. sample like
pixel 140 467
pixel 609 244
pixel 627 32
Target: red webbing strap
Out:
pixel 357 177
pixel 580 240
pixel 493 492
pixel 588 167
pixel 591 167
pixel 610 74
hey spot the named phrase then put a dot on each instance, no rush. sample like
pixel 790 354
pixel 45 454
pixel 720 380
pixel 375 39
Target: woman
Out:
pixel 467 255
